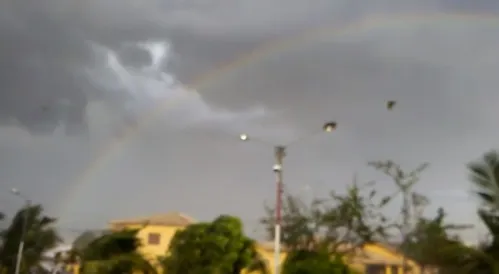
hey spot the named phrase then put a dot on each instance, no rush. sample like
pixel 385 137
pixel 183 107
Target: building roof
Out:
pixel 364 255
pixel 167 219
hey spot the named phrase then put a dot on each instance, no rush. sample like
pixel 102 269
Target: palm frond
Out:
pixel 479 174
pixel 491 221
pixel 484 174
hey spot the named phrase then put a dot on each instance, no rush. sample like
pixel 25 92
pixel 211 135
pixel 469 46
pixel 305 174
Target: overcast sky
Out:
pixel 76 75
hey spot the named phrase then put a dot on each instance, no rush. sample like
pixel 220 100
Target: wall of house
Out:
pixel 268 256
pixel 153 251
pixel 393 256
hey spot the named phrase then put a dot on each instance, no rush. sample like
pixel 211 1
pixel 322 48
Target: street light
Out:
pixel 279 154
pixel 243 137
pixel 329 127
pixel 20 249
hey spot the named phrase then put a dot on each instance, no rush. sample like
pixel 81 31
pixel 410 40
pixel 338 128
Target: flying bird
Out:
pixel 390 105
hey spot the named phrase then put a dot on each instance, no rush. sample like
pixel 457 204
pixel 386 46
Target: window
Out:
pixel 153 238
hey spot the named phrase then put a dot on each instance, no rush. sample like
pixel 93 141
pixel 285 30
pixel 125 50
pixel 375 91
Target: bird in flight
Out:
pixel 390 105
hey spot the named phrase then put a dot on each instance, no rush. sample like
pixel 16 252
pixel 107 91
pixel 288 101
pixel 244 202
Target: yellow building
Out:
pixel 157 231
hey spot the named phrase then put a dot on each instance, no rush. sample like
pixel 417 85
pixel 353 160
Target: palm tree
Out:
pixel 485 258
pixel 39 238
pixel 484 174
pixel 115 252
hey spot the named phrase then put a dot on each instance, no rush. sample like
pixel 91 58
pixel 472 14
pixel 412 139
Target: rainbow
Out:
pixel 365 25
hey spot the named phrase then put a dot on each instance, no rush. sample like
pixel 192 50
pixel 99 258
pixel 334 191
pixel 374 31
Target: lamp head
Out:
pixel 244 137
pixel 329 126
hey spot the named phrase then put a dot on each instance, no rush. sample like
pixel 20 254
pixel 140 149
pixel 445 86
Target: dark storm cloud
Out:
pixel 43 51
pixel 45 44
pixel 430 70
pixel 39 88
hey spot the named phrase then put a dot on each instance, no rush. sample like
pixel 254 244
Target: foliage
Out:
pixel 413 203
pixel 313 262
pixel 405 181
pixel 115 252
pixel 84 240
pixel 216 247
pixel 484 174
pixel 40 237
pixel 483 259
pixel 430 244
pixel 341 222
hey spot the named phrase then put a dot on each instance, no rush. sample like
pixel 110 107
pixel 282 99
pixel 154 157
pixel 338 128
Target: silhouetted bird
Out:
pixel 390 105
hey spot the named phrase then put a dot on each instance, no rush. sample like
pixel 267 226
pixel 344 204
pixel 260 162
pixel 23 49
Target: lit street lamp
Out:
pixel 24 227
pixel 243 137
pixel 329 127
pixel 279 154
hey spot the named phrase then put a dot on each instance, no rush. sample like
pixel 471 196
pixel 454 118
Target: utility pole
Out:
pixel 20 249
pixel 280 153
pixel 406 225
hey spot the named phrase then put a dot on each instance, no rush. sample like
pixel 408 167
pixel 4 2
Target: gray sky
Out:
pixel 75 75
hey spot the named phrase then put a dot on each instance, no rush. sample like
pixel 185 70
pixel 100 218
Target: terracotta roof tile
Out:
pixel 168 219
pixel 364 255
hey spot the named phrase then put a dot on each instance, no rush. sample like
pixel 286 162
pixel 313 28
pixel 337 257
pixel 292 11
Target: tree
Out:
pixel 484 174
pixel 84 240
pixel 61 260
pixel 484 259
pixel 412 203
pixel 342 222
pixel 213 247
pixel 41 236
pixel 115 253
pixel 430 244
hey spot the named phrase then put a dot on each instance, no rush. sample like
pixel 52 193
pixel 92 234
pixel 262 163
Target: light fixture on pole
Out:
pixel 20 249
pixel 329 126
pixel 243 137
pixel 279 154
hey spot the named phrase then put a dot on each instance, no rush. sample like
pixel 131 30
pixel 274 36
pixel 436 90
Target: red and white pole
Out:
pixel 280 152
